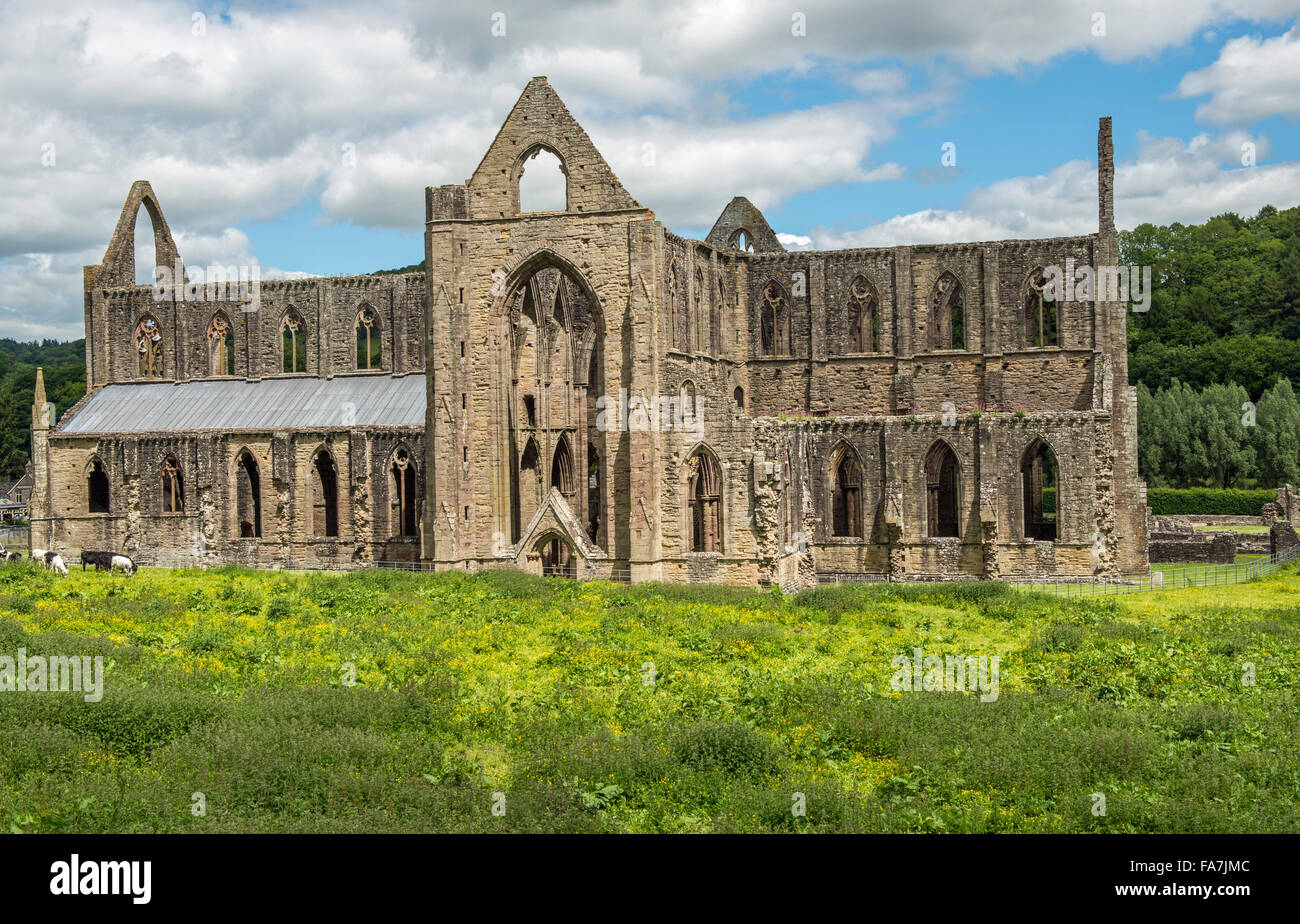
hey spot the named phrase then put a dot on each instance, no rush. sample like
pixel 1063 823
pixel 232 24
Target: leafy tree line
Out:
pixel 1225 305
pixel 1217 437
pixel 65 384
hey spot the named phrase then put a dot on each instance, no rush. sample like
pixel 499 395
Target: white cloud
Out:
pixel 249 119
pixel 1253 78
pixel 1169 180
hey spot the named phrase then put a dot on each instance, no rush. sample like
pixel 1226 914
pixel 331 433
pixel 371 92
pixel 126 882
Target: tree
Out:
pixel 1276 436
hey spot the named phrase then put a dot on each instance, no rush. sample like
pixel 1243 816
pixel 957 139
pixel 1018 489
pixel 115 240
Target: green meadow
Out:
pixel 237 700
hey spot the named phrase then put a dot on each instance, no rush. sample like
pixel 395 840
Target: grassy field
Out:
pixel 506 703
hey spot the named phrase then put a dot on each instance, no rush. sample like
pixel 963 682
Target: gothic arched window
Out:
pixel 173 493
pixel 97 492
pixel 248 497
pixel 863 333
pixel 947 328
pixel 942 489
pixel 149 348
pixel 401 494
pixel 1041 328
pixel 846 494
pixel 704 502
pixel 324 496
pixel 370 353
pixel 293 343
pixel 221 345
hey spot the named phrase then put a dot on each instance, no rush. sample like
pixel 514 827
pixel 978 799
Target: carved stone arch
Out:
pixel 948 324
pixel 220 339
pixel 1040 320
pixel 118 267
pixel 567 403
pixel 1039 475
pixel 557 554
pixel 943 491
pixel 845 476
pixel 703 483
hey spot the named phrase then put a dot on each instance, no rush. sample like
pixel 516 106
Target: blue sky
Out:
pixel 239 116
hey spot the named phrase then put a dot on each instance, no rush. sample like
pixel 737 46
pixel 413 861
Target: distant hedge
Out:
pixel 1222 501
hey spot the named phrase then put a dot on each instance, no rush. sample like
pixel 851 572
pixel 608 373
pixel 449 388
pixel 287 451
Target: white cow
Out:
pixel 54 562
pixel 121 561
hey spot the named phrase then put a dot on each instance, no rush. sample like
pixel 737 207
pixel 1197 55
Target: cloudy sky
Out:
pixel 302 137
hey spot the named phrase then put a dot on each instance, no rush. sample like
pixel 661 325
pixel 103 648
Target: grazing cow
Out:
pixel 54 561
pixel 103 561
pixel 123 562
pixel 13 556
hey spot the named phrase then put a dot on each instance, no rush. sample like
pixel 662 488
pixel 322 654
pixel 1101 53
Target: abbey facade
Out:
pixel 582 392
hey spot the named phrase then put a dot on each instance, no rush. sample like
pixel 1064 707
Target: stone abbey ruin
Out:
pixel 583 392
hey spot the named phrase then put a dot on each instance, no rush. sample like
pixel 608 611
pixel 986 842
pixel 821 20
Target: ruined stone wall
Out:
pixel 206 531
pixel 328 308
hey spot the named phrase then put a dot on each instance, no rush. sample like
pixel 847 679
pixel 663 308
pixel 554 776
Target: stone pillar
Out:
pixel 39 511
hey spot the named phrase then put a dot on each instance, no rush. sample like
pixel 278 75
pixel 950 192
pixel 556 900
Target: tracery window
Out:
pixel 293 346
pixel 149 347
pixel 221 346
pixel 369 345
pixel 173 494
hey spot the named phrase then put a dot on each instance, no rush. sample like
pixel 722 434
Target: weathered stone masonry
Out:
pixel 605 398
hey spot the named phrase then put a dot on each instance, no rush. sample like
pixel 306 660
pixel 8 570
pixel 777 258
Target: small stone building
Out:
pixel 583 392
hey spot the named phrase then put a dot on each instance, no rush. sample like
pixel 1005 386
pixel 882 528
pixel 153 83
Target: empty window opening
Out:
pixel 149 348
pixel 1038 476
pixel 324 496
pixel 562 468
pixel 221 345
pixel 248 497
pixel 847 497
pixel 1041 328
pixel 593 493
pixel 863 322
pixel 947 314
pixel 173 495
pixel 557 558
pixel 942 485
pixel 369 345
pixel 543 186
pixel 401 494
pixel 704 502
pixel 97 494
pixel 293 344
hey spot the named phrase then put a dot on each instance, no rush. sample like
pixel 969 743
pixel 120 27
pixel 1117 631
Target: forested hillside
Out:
pixel 1225 306
pixel 65 383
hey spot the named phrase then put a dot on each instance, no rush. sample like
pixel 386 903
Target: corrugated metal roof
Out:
pixel 271 404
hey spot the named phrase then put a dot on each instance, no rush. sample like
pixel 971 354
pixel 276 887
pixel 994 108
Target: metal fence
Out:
pixel 1176 577
pixel 14 537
